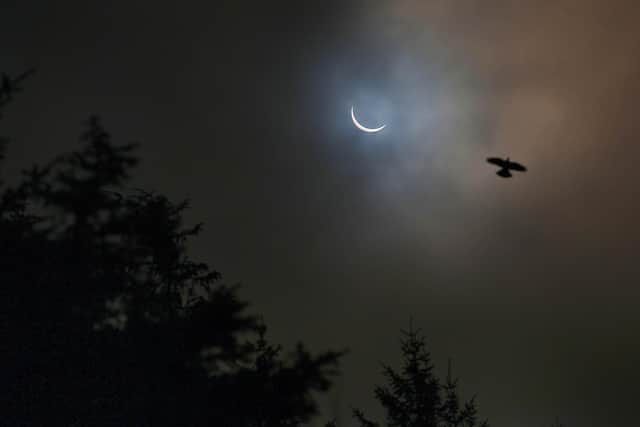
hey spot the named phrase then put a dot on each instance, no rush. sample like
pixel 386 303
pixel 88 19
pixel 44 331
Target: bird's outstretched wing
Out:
pixel 516 166
pixel 496 161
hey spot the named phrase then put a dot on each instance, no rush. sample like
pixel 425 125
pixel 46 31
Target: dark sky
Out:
pixel 532 285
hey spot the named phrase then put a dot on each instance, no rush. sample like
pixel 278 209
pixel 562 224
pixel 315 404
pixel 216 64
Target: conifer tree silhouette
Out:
pixel 415 397
pixel 110 322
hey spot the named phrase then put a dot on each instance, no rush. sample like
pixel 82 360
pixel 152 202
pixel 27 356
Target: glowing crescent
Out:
pixel 364 128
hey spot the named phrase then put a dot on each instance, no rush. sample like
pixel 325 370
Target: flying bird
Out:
pixel 505 166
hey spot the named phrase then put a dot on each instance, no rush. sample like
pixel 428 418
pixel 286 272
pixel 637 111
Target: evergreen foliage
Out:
pixel 415 397
pixel 108 321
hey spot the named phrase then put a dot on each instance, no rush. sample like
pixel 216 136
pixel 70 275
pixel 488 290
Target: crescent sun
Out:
pixel 364 128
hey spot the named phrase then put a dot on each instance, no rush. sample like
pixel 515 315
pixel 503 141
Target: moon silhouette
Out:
pixel 364 128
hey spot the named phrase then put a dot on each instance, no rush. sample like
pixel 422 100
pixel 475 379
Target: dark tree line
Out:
pixel 415 397
pixel 108 321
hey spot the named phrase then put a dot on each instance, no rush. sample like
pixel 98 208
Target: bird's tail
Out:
pixel 504 172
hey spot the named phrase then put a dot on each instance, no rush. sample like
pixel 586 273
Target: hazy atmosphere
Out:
pixel 531 285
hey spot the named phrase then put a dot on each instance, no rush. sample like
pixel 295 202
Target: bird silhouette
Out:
pixel 506 165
